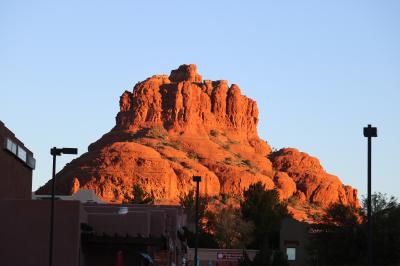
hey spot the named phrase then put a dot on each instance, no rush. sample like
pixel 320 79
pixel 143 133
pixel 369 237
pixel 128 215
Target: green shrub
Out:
pixel 292 200
pixel 317 217
pixel 149 145
pixel 173 159
pixel 228 160
pixel 194 156
pixel 226 147
pixel 214 133
pixel 314 205
pixel 233 142
pixel 139 196
pixel 186 165
pixel 247 162
pixel 174 144
pixel 160 146
pixel 157 132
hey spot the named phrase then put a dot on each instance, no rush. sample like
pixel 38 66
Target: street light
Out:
pixel 55 152
pixel 369 132
pixel 196 179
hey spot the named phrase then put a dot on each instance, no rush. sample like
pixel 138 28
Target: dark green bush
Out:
pixel 157 132
pixel 214 133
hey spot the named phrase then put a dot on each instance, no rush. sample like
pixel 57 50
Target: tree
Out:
pixel 343 236
pixel 380 203
pixel 340 240
pixel 341 215
pixel 206 240
pixel 139 196
pixel 227 226
pixel 263 208
pixel 386 228
pixel 188 202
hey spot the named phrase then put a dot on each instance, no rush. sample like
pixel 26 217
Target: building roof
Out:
pixel 82 195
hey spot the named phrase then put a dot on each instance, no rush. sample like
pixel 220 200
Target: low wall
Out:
pixel 25 227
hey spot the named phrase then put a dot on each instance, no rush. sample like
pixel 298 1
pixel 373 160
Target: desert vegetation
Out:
pixel 231 221
pixel 342 237
pixel 139 196
pixel 157 132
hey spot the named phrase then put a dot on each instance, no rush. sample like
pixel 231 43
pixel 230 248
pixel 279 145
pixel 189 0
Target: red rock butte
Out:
pixel 170 128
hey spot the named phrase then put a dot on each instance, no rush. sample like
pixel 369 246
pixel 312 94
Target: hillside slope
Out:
pixel 170 128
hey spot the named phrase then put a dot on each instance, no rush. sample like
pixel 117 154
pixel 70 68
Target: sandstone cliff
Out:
pixel 170 128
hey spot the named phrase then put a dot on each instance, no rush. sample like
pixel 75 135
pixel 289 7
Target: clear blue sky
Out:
pixel 319 70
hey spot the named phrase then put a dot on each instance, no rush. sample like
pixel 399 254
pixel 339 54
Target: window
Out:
pixel 291 253
pixel 21 154
pixel 11 146
pixel 30 161
pixel 8 144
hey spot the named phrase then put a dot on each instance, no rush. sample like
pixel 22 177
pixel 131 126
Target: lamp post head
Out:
pixel 370 132
pixel 58 152
pixel 70 150
pixel 197 178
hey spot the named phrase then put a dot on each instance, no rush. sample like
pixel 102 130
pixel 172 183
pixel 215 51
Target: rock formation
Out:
pixel 170 128
pixel 311 179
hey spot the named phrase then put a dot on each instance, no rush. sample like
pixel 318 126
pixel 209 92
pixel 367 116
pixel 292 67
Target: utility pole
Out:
pixel 55 152
pixel 196 179
pixel 370 132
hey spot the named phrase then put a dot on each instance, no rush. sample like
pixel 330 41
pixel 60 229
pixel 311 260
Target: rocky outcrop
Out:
pixel 182 103
pixel 311 179
pixel 170 128
pixel 285 185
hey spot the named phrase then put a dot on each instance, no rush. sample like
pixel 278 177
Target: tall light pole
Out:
pixel 196 179
pixel 369 132
pixel 55 152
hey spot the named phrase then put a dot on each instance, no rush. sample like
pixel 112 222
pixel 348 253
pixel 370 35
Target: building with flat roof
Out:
pixel 16 165
pixel 294 240
pixel 82 195
pixel 87 231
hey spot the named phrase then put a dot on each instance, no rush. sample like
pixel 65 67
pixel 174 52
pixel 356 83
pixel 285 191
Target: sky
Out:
pixel 319 70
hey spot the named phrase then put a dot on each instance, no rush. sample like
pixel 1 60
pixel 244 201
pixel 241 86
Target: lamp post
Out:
pixel 369 132
pixel 55 152
pixel 196 179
